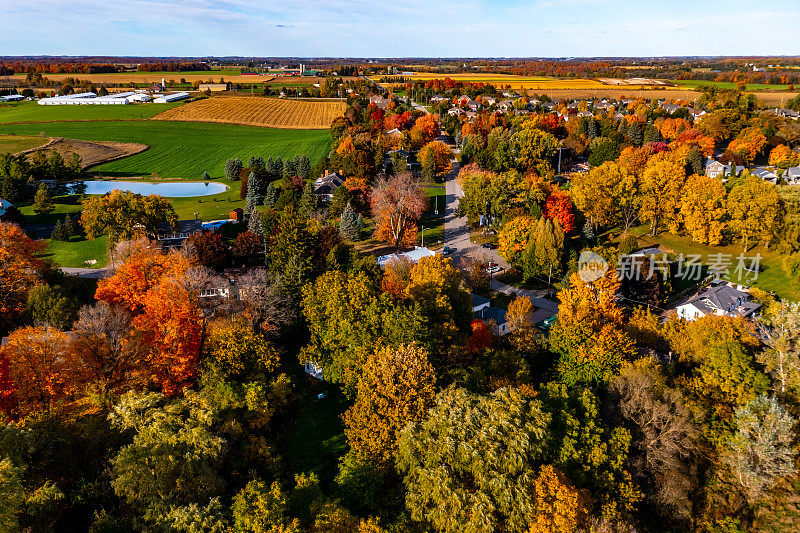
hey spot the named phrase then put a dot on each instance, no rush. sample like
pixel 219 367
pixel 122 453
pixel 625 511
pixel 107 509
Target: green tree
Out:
pixel 754 207
pixel 271 195
pixel 781 334
pixel 761 451
pixel 51 305
pixel 491 445
pixel 233 167
pixel 43 202
pixel 308 201
pixel 12 495
pixel 543 256
pixel 290 253
pixel 349 224
pixel 260 508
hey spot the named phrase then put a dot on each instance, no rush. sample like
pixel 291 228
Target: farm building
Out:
pixel 174 97
pixel 92 99
pixel 11 98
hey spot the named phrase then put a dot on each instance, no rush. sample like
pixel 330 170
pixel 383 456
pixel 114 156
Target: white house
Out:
pixel 720 298
pixel 413 255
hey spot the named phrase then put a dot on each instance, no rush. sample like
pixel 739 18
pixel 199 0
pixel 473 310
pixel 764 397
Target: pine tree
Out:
pixel 58 232
pixel 308 202
pixel 278 168
pixel 233 167
pixel 271 195
pixel 349 224
pixel 254 188
pixel 651 134
pixel 69 226
pixel 694 161
pixel 591 129
pixel 43 202
pixel 588 231
pixel 289 169
pixel 304 167
pixel 254 224
pixel 635 133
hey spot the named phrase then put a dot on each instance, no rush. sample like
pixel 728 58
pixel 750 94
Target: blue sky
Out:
pixel 424 28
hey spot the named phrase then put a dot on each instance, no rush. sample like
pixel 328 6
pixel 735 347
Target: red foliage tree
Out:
pixel 480 338
pixel 558 206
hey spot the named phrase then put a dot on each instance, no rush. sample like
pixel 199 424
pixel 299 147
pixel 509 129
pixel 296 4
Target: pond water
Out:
pixel 173 189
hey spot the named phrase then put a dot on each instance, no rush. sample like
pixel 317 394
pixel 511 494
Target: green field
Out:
pixel 18 143
pixel 33 112
pixel 183 149
pixel 730 85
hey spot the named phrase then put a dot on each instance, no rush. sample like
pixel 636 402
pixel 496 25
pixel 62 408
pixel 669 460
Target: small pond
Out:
pixel 171 189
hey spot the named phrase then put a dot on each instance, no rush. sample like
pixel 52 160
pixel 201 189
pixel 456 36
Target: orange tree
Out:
pixel 20 270
pixel 439 152
pixel 397 203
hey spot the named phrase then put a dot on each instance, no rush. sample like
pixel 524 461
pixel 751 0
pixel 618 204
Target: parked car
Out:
pixel 448 250
pixel 489 245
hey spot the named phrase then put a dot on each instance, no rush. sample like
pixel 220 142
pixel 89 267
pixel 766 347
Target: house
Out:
pixel 175 237
pixel 720 298
pixel 413 255
pixel 325 185
pixel 473 105
pixel 455 111
pixel 497 316
pixel 782 112
pixel 715 169
pixel 488 100
pixel 506 105
pixel 437 98
pixel 379 101
pixel 792 175
pixel 765 173
pixel 9 213
pixel 479 302
pixel 671 108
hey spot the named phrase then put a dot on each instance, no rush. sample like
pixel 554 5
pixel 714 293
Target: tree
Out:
pixel 260 508
pixel 118 214
pixel 43 202
pixel 20 270
pixel 233 167
pixel 545 248
pixel 50 305
pixel 397 203
pixel 729 371
pixel 607 195
pixel 560 507
pixel 425 129
pixel 662 182
pixel 558 206
pixel 349 224
pixel 38 367
pixel 236 351
pixel 145 472
pixel 247 246
pixel 781 333
pixel 397 389
pixel 208 248
pixel 437 152
pixel 12 495
pixel 290 253
pixel 490 445
pixel 514 238
pixel 603 151
pixel 783 157
pixel 271 195
pixel 754 208
pixel 761 451
pixel 588 334
pixel 748 144
pixel 308 201
pixel 704 209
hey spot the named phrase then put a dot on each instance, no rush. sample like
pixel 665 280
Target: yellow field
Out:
pixel 259 111
pixel 516 82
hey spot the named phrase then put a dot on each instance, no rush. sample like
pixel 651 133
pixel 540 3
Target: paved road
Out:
pixel 87 273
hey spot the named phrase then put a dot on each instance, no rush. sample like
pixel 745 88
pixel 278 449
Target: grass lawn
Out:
pixel 183 149
pixel 19 143
pixel 731 85
pixel 33 112
pixel 213 207
pixel 79 249
pixel 316 438
pixel 771 278
pixel 433 223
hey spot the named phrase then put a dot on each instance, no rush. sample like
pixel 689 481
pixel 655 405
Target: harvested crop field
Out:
pixel 92 153
pixel 19 143
pixel 259 111
pixel 155 77
pixel 535 83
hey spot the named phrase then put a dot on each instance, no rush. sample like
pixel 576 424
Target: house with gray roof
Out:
pixel 792 175
pixel 719 298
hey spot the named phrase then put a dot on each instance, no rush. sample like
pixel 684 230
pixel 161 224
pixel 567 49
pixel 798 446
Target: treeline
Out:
pixel 172 67
pixel 57 68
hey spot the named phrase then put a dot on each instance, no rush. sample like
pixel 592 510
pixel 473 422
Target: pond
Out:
pixel 172 189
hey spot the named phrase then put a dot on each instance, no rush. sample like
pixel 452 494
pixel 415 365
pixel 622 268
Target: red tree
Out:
pixel 558 206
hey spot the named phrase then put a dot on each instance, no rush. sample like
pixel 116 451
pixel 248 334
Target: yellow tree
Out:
pixel 754 206
pixel 783 157
pixel 397 388
pixel 607 195
pixel 439 152
pixel 662 182
pixel 748 144
pixel 513 238
pixel 560 507
pixel 703 208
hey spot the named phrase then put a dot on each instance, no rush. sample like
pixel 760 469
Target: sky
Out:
pixel 399 28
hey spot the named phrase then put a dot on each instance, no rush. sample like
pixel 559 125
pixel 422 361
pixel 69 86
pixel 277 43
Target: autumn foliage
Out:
pixel 19 269
pixel 558 206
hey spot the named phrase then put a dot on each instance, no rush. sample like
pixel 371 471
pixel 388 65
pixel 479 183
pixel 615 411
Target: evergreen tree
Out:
pixel 349 224
pixel 289 169
pixel 271 195
pixel 254 223
pixel 69 226
pixel 635 133
pixel 254 188
pixel 233 167
pixel 272 175
pixel 588 231
pixel 278 166
pixel 651 134
pixel 59 234
pixel 304 167
pixel 308 201
pixel 43 202
pixel 694 161
pixel 591 129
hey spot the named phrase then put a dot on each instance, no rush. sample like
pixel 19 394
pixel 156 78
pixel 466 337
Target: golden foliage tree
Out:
pixel 662 182
pixel 754 208
pixel 704 209
pixel 439 152
pixel 560 507
pixel 397 388
pixel 607 195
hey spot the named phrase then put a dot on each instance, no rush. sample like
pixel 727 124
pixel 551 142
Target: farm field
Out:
pixel 155 77
pixel 183 150
pixel 33 112
pixel 731 85
pixel 516 82
pixel 19 143
pixel 259 111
